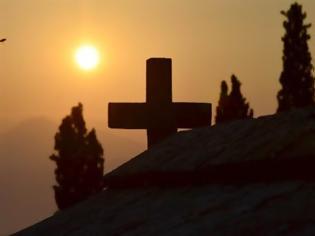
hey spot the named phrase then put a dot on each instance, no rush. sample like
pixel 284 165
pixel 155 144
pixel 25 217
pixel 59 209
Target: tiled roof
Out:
pixel 250 177
pixel 270 138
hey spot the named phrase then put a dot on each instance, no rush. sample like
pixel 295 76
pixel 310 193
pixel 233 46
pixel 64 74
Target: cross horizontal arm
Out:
pixel 192 115
pixel 127 115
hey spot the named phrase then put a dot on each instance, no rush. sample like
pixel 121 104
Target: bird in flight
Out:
pixel 2 40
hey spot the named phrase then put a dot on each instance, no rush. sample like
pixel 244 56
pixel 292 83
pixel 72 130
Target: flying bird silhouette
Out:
pixel 3 40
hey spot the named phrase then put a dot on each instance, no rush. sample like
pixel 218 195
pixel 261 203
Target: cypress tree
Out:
pixel 79 160
pixel 232 106
pixel 296 78
pixel 221 114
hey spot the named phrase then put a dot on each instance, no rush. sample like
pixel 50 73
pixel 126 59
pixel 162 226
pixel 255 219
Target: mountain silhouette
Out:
pixel 27 174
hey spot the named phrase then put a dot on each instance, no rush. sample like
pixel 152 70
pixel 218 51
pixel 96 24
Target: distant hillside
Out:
pixel 27 174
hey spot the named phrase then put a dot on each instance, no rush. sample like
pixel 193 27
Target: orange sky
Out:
pixel 208 40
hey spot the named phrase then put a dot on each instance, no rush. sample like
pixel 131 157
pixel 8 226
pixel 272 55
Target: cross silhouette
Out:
pixel 159 115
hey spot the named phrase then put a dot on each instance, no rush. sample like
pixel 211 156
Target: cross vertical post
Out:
pixel 159 98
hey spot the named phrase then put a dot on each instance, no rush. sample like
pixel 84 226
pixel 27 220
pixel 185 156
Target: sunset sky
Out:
pixel 208 40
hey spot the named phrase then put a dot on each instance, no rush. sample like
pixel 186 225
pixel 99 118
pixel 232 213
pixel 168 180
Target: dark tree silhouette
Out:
pixel 296 78
pixel 79 159
pixel 222 106
pixel 232 106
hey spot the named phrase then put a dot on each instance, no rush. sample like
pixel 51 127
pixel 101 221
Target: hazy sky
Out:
pixel 208 40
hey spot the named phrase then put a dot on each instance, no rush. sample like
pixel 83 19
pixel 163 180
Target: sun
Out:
pixel 87 57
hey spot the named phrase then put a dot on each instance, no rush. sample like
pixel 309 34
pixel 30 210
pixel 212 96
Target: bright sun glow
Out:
pixel 87 57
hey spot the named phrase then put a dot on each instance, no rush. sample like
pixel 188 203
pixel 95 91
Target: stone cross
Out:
pixel 159 115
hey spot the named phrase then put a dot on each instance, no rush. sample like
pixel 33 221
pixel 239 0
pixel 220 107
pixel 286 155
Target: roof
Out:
pixel 271 138
pixel 286 208
pixel 244 178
